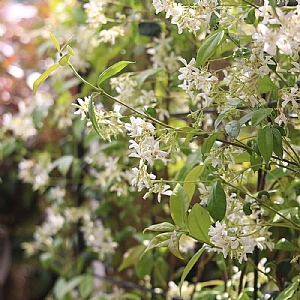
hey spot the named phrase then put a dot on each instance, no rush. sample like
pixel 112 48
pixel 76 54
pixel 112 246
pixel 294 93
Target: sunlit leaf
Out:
pixel 189 184
pixel 173 245
pixel 113 70
pixel 179 204
pixel 199 223
pixel 164 226
pixel 44 76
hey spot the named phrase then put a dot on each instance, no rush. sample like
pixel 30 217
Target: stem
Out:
pixel 102 92
pixel 295 226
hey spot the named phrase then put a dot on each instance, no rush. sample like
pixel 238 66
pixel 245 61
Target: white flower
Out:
pixel 83 107
pixel 138 127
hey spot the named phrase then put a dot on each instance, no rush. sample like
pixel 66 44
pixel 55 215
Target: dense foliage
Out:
pixel 162 144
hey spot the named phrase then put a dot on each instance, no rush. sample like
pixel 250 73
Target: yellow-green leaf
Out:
pixel 113 70
pixel 44 76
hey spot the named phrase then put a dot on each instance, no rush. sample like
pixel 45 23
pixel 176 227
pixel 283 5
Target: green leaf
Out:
pixel 209 46
pixel 250 19
pixel 92 116
pixel 63 164
pixel 288 292
pixel 255 161
pixel 265 143
pixel 246 118
pixel 190 265
pixel 164 226
pixel 216 203
pixel 160 240
pixel 192 160
pixel 188 185
pixel 234 38
pixel 86 286
pixel 55 42
pixel 233 129
pixel 131 256
pixel 112 70
pixel 259 115
pixel 179 204
pixel 208 143
pixel 65 59
pixel 199 223
pixel 144 265
pixel 243 296
pixel 247 209
pixel 63 287
pixel 143 75
pixel 44 76
pixel 265 84
pixel 150 111
pixel 285 245
pixel 277 142
pixel 174 245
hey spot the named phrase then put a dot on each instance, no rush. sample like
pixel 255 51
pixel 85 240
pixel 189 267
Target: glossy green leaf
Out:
pixel 92 116
pixel 233 129
pixel 216 203
pixel 208 143
pixel 173 245
pixel 288 292
pixel 277 142
pixel 234 38
pixel 112 70
pixel 179 204
pixel 164 226
pixel 190 265
pixel 150 111
pixel 199 223
pixel 209 46
pixel 250 19
pixel 44 76
pixel 131 256
pixel 189 184
pixel 265 84
pixel 265 143
pixel 246 118
pixel 285 245
pixel 160 240
pixel 259 115
pixel 65 59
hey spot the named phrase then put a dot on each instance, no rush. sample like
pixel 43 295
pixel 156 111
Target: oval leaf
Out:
pixel 216 203
pixel 260 115
pixel 265 143
pixel 179 204
pixel 160 240
pixel 209 46
pixel 190 265
pixel 188 185
pixel 44 76
pixel 277 142
pixel 174 245
pixel 198 223
pixel 233 129
pixel 113 70
pixel 131 256
pixel 164 226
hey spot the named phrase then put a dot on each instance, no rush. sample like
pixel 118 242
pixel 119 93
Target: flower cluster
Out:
pixel 197 83
pixel 190 17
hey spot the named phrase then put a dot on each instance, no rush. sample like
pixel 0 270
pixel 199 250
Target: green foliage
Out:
pixel 209 46
pixel 216 203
